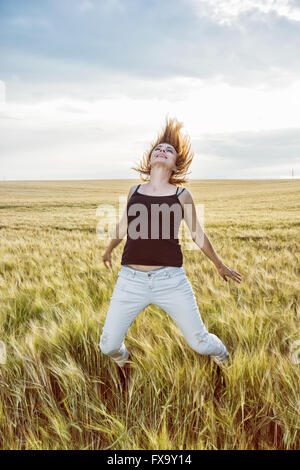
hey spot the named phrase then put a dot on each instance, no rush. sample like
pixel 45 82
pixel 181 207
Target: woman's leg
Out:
pixel 176 297
pixel 127 301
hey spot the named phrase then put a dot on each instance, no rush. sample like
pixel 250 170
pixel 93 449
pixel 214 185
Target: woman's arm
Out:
pixel 201 239
pixel 197 233
pixel 120 231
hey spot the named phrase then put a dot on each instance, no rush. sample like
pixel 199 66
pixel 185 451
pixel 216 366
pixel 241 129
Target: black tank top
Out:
pixel 152 230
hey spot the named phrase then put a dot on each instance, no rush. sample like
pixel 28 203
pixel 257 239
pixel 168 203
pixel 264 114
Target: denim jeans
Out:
pixel 168 288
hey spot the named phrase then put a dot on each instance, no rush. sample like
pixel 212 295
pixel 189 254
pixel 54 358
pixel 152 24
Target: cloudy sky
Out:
pixel 85 86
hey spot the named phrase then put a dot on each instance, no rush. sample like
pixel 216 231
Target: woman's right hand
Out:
pixel 106 258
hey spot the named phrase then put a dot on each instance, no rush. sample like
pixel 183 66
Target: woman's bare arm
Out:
pixel 197 233
pixel 120 231
pixel 201 239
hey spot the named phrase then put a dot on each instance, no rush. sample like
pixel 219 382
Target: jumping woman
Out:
pixel 151 266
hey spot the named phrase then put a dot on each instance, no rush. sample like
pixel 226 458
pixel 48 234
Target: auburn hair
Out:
pixel 170 134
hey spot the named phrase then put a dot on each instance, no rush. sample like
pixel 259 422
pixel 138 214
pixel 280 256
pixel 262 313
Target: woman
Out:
pixel 151 266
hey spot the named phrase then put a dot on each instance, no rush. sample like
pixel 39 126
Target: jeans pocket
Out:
pixel 121 283
pixel 183 284
pixel 177 275
pixel 174 282
pixel 128 285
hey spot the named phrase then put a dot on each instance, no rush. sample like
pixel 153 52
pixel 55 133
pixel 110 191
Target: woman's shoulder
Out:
pixel 134 186
pixel 182 189
pixel 184 194
pixel 131 191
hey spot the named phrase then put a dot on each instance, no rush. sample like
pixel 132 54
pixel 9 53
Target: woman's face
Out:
pixel 164 154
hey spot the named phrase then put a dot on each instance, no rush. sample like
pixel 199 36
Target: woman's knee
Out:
pixel 108 345
pixel 206 343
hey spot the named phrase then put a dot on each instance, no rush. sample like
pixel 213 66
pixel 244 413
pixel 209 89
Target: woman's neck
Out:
pixel 159 179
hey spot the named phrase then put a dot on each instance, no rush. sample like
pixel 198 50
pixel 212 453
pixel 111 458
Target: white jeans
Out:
pixel 168 288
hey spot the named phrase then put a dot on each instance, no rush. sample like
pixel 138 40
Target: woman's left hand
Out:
pixel 225 272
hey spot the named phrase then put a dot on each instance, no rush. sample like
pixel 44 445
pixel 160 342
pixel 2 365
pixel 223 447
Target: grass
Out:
pixel 58 391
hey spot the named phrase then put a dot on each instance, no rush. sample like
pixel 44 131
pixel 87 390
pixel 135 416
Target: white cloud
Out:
pixel 79 104
pixel 231 129
pixel 227 11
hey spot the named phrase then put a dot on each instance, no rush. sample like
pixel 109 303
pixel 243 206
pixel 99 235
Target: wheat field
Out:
pixel 58 391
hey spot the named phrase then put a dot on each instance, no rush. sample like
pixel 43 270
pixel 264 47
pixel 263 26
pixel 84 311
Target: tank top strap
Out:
pixel 177 190
pixel 136 188
pixel 180 192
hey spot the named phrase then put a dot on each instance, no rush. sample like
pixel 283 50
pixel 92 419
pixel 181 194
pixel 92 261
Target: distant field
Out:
pixel 58 391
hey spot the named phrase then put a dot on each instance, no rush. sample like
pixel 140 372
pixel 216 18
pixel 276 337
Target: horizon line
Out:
pixel 133 179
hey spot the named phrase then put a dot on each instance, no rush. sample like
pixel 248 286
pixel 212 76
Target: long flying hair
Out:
pixel 171 135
